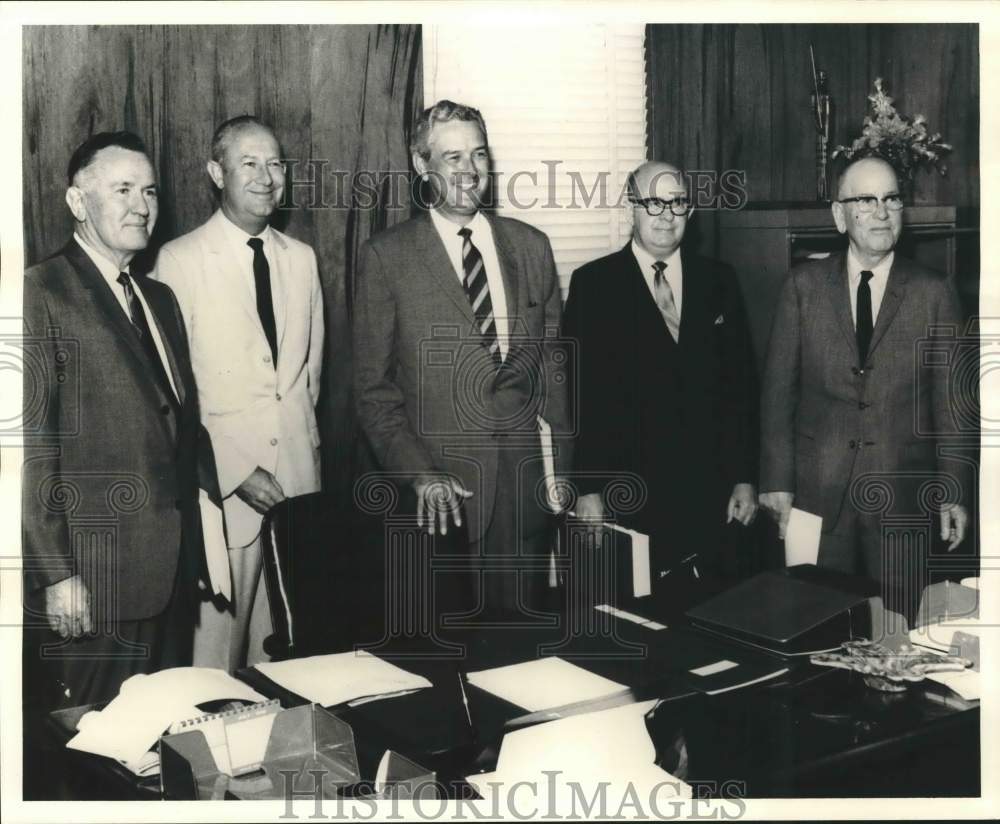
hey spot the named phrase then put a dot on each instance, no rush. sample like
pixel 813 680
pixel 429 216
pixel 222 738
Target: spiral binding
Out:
pixel 261 708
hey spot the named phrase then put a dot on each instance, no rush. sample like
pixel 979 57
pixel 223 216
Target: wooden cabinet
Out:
pixel 762 242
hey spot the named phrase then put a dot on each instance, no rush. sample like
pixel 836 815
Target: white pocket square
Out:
pixel 720 320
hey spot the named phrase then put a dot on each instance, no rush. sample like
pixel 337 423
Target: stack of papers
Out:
pixel 544 684
pixel 146 706
pixel 329 680
pixel 608 752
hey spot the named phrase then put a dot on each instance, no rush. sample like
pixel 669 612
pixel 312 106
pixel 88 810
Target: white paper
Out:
pixel 965 683
pixel 549 464
pixel 712 669
pixel 148 704
pixel 216 551
pixel 630 616
pixel 609 748
pixel 544 684
pixel 640 564
pixel 334 679
pixel 802 538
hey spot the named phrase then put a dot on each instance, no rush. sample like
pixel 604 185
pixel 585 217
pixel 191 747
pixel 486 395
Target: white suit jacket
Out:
pixel 256 415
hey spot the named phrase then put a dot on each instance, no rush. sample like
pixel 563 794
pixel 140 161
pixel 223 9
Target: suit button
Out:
pixel 274 441
pixel 863 405
pixel 165 409
pixel 853 444
pixel 277 396
pixel 855 371
pixel 267 358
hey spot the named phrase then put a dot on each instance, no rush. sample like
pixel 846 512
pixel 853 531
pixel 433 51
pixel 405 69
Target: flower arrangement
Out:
pixel 903 142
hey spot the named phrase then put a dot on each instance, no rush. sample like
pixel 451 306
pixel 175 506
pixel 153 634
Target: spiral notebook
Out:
pixel 236 738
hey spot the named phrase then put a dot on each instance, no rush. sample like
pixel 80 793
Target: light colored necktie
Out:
pixel 664 297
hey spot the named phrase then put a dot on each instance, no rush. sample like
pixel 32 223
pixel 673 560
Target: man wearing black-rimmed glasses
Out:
pixel 845 391
pixel 666 385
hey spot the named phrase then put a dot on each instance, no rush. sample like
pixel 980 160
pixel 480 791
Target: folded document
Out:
pixel 328 680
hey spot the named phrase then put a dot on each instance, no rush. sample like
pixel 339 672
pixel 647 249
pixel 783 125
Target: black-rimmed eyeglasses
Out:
pixel 655 207
pixel 867 204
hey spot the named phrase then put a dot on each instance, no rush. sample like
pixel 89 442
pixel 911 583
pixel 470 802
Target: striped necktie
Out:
pixel 665 301
pixel 478 291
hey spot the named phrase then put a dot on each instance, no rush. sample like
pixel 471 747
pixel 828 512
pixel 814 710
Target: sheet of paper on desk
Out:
pixel 328 680
pixel 543 684
pixel 147 705
pixel 610 748
pixel 802 538
pixel 965 683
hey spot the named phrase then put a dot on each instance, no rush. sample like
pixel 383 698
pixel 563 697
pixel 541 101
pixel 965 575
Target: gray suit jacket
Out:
pixel 428 396
pixel 111 465
pixel 824 421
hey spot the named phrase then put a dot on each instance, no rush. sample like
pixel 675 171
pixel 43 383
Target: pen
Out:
pixel 465 700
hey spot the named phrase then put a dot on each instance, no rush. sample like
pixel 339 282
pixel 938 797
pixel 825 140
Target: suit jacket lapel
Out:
pixel 225 264
pixel 166 339
pixel 647 312
pixel 108 304
pixel 279 284
pixel 431 253
pixel 509 271
pixel 891 300
pixel 839 294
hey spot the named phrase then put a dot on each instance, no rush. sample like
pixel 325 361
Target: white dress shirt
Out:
pixel 673 274
pixel 109 271
pixel 482 237
pixel 879 279
pixel 216 556
pixel 237 239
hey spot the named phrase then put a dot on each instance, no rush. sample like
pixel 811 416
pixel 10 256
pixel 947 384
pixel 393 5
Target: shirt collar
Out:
pixel 646 260
pixel 239 237
pixel 108 269
pixel 449 229
pixel 880 272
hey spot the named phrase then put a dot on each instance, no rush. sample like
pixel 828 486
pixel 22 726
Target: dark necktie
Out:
pixel 478 291
pixel 863 327
pixel 665 300
pixel 265 307
pixel 140 326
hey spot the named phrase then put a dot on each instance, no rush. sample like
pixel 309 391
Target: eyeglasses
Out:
pixel 655 207
pixel 869 203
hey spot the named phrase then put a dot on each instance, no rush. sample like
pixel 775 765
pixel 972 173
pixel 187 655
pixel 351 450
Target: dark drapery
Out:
pixel 737 97
pixel 341 99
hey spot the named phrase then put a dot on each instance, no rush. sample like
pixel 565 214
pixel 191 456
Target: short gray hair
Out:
pixel 441 112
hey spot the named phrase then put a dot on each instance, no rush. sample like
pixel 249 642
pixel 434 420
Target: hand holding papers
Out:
pixel 543 684
pixel 147 705
pixel 802 538
pixel 328 680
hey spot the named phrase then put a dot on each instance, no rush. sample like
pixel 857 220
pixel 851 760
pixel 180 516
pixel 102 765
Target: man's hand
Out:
pixel 954 522
pixel 261 490
pixel 742 504
pixel 779 506
pixel 590 507
pixel 438 497
pixel 67 607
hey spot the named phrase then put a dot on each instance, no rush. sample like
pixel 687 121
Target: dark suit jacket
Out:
pixel 682 416
pixel 823 421
pixel 107 450
pixel 428 395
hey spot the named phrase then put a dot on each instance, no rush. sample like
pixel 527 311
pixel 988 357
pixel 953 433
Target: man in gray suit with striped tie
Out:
pixel 454 367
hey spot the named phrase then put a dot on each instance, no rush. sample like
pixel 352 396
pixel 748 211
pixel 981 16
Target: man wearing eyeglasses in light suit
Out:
pixel 666 387
pixel 844 389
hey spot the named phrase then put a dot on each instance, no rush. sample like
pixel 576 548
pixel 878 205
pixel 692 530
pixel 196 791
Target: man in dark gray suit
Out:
pixel 111 516
pixel 843 389
pixel 454 366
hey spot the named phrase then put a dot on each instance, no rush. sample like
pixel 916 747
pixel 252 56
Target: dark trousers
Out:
pixel 90 669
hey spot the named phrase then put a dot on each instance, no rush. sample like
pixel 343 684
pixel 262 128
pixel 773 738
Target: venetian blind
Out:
pixel 566 114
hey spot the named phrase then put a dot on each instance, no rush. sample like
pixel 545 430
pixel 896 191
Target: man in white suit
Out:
pixel 251 301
